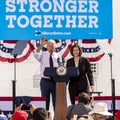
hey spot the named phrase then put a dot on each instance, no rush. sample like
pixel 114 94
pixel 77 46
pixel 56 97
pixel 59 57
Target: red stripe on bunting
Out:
pixel 11 60
pixel 10 41
pixel 90 41
pixel 27 54
pixel 57 41
pixel 109 41
pixel 67 50
pixel 96 58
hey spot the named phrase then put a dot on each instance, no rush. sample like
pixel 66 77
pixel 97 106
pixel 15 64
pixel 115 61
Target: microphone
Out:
pixel 63 61
pixel 60 61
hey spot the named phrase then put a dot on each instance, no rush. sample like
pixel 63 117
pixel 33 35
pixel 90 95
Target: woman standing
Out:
pixel 80 83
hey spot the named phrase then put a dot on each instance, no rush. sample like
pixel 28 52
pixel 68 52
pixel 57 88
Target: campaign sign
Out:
pixel 56 19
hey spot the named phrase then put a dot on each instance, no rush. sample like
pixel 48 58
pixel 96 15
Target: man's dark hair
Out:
pixel 84 98
pixel 40 114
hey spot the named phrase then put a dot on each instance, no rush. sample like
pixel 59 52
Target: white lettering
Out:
pixel 58 6
pixel 93 20
pixel 10 18
pixel 59 19
pixel 47 22
pixel 22 3
pixel 93 6
pixel 34 4
pixel 35 21
pixel 10 7
pixel 82 6
pixel 72 21
pixel 23 21
pixel 71 6
pixel 82 22
pixel 46 3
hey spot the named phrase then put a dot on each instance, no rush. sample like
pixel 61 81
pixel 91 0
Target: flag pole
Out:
pixel 18 49
pixel 112 86
pixel 14 83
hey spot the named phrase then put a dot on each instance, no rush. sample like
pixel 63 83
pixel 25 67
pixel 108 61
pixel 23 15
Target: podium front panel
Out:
pixel 51 72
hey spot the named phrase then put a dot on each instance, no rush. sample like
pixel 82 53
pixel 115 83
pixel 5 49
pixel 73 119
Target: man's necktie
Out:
pixel 51 61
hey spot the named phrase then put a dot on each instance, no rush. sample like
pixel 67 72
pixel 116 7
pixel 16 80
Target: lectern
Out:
pixel 61 75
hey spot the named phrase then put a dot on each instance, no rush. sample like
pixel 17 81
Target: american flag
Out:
pixel 91 49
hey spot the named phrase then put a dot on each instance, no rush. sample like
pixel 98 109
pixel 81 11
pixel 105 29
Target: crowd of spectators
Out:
pixel 80 111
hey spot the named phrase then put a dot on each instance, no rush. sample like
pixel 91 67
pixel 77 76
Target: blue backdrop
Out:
pixel 55 19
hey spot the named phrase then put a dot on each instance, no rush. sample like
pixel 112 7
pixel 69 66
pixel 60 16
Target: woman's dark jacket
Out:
pixel 85 73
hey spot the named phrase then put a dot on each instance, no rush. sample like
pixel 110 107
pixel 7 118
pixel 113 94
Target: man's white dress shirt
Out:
pixel 43 58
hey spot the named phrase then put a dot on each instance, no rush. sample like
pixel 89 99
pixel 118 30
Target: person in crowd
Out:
pixel 47 59
pixel 81 108
pixel 22 112
pixel 84 81
pixel 41 114
pixel 99 112
pixel 117 115
pixel 20 115
pixel 3 116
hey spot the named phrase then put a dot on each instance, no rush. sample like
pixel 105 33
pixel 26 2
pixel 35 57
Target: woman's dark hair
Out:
pixel 84 98
pixel 76 45
pixel 40 114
